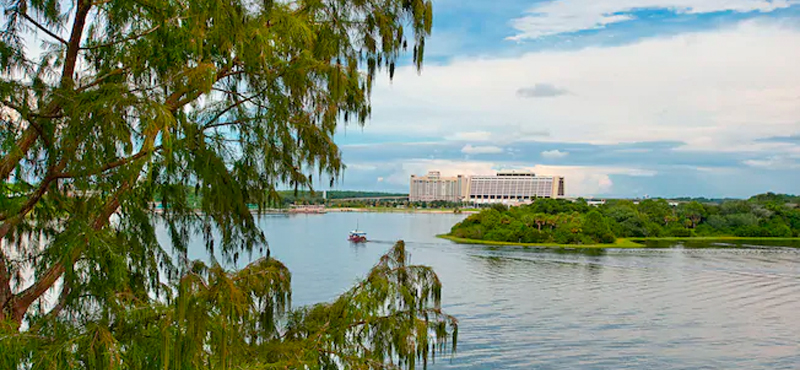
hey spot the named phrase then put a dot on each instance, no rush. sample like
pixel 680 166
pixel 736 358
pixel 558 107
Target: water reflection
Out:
pixel 678 306
pixel 716 243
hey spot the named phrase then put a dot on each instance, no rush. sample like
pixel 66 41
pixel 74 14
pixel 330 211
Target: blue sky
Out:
pixel 623 97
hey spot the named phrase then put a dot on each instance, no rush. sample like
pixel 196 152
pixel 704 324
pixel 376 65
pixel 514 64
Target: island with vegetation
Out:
pixel 625 223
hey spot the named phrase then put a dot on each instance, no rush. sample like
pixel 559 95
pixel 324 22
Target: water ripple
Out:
pixel 671 308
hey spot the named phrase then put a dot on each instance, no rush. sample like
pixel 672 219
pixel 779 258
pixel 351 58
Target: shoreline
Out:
pixel 716 238
pixel 399 210
pixel 286 211
pixel 621 243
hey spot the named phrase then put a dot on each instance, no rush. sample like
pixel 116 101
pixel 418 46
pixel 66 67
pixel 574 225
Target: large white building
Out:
pixel 504 187
pixel 433 187
pixel 513 187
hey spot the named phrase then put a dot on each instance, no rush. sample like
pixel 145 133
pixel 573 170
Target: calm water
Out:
pixel 672 308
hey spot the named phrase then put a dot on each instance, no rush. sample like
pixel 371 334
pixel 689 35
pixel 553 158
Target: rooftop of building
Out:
pixel 516 173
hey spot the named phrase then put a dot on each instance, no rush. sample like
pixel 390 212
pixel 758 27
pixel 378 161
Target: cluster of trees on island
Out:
pixel 566 222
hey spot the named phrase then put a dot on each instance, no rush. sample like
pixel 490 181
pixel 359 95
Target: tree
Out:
pixel 777 228
pixel 540 219
pixel 656 211
pixel 693 211
pixel 130 99
pixel 596 228
pixel 619 210
pixel 222 319
pixel 735 206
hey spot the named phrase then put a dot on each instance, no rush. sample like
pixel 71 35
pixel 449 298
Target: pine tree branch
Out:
pixel 24 299
pixel 122 40
pixel 211 124
pixel 11 221
pixel 373 363
pixel 102 78
pixel 12 158
pixel 30 118
pixel 223 124
pixel 180 98
pixel 26 113
pixel 242 96
pixel 109 166
pixel 66 289
pixel 53 175
pixel 30 135
pixel 74 45
pixel 42 28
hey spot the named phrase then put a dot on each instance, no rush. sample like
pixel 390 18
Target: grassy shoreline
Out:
pixel 401 210
pixel 714 238
pixel 620 243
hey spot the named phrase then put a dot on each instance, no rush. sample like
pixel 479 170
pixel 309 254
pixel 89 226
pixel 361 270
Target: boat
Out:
pixel 357 236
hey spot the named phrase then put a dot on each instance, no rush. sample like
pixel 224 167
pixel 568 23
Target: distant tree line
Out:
pixel 332 197
pixel 566 222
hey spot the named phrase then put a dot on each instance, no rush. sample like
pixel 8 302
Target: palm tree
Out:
pixel 541 219
pixel 528 220
pixel 553 220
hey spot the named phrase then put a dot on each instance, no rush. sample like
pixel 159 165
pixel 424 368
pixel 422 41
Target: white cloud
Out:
pixel 634 150
pixel 554 154
pixel 779 162
pixel 604 184
pixel 361 167
pixel 586 180
pixel 470 136
pixel 713 90
pixel 543 90
pixel 489 149
pixel 503 134
pixel 403 170
pixel 554 17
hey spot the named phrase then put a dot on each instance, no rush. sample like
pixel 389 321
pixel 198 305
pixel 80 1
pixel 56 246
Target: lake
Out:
pixel 670 308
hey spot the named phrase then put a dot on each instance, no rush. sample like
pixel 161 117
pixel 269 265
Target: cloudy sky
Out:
pixel 623 97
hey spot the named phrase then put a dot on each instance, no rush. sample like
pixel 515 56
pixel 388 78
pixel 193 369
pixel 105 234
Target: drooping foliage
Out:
pixel 218 319
pixel 122 102
pixel 565 222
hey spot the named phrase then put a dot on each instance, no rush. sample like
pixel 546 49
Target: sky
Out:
pixel 626 98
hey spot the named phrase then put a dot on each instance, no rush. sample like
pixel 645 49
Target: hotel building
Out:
pixel 433 187
pixel 504 187
pixel 513 187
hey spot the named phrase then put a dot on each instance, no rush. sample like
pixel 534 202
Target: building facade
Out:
pixel 434 187
pixel 505 187
pixel 514 187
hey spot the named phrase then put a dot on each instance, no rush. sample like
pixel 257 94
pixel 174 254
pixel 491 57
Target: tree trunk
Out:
pixel 5 286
